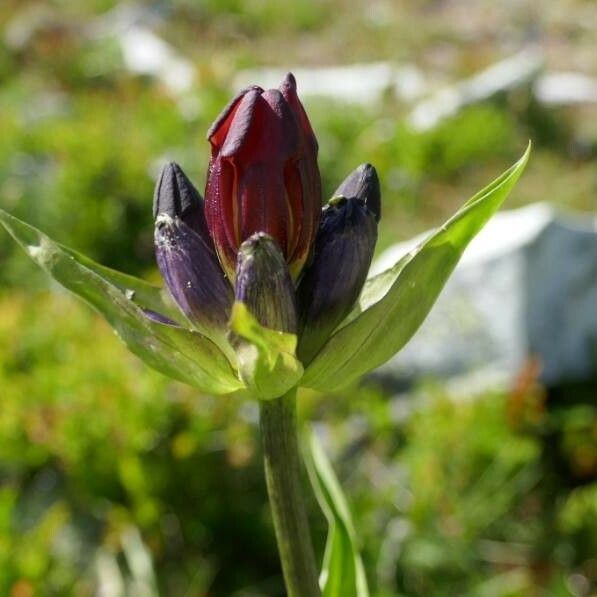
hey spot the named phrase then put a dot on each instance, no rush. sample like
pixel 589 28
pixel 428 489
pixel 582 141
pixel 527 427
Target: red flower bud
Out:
pixel 263 175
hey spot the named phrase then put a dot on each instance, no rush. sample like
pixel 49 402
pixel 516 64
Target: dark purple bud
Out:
pixel 331 284
pixel 185 255
pixel 363 184
pixel 176 196
pixel 264 285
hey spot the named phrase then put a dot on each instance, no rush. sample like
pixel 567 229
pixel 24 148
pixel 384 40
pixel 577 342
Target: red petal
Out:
pixel 221 211
pixel 311 188
pixel 294 197
pixel 219 129
pixel 280 140
pixel 288 90
pixel 243 122
pixel 262 199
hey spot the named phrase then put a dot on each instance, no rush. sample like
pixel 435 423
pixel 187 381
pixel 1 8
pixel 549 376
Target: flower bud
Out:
pixel 185 254
pixel 264 285
pixel 263 175
pixel 342 255
pixel 176 197
pixel 363 184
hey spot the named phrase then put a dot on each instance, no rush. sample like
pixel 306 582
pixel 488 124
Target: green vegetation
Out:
pixel 104 463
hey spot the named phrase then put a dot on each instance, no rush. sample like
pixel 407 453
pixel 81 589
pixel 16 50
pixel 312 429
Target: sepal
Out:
pixel 266 358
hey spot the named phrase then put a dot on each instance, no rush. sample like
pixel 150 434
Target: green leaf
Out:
pixel 376 288
pixel 177 352
pixel 266 358
pixel 148 296
pixel 342 572
pixel 142 293
pixel 393 305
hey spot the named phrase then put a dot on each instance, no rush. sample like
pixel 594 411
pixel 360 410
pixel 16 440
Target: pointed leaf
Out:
pixel 177 352
pixel 395 303
pixel 266 358
pixel 375 288
pixel 142 293
pixel 342 573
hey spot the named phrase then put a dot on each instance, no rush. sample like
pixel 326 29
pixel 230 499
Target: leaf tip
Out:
pixel 527 152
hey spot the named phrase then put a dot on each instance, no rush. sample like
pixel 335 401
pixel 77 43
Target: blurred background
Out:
pixel 476 476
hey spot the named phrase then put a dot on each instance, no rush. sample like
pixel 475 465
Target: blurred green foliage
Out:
pixel 113 476
pixel 452 497
pixel 94 445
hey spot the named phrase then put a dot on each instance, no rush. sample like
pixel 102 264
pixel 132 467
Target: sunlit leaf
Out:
pixel 140 292
pixel 342 572
pixel 266 358
pixel 175 351
pixel 394 304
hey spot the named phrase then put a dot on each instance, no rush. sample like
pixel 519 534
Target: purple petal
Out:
pixel 331 284
pixel 176 196
pixel 193 274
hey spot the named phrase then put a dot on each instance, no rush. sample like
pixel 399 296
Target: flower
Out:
pixel 342 255
pixel 274 296
pixel 261 237
pixel 185 253
pixel 263 175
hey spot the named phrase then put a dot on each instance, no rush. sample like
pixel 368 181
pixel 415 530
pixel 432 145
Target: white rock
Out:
pixel 367 83
pixel 355 83
pixel 565 88
pixel 146 53
pixel 517 70
pixel 526 287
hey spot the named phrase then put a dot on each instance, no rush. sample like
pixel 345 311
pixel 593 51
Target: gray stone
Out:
pixel 565 89
pixel 525 288
pixel 145 53
pixel 511 73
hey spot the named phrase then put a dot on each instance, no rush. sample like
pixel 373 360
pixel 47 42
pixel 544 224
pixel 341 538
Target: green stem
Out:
pixel 282 475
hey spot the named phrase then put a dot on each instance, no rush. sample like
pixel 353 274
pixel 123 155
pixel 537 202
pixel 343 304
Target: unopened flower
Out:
pixel 263 175
pixel 341 258
pixel 262 237
pixel 185 253
pixel 264 285
pixel 270 284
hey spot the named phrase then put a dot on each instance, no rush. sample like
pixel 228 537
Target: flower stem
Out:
pixel 282 475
